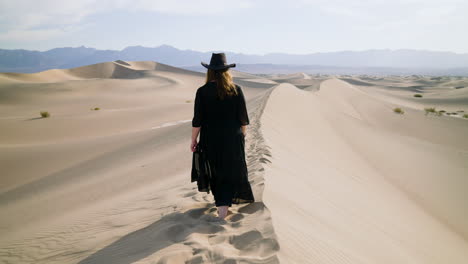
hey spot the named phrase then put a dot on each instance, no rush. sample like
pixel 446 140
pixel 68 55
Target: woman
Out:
pixel 220 116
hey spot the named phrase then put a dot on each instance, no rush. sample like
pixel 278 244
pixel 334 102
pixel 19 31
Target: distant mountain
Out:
pixel 382 61
pixel 315 69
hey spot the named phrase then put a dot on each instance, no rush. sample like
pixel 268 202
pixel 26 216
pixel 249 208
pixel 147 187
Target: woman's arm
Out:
pixel 195 132
pixel 242 112
pixel 197 120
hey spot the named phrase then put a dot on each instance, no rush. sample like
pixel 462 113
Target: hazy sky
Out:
pixel 247 26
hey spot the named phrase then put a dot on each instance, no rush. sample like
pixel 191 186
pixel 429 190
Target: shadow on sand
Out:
pixel 170 229
pixel 33 118
pixel 176 227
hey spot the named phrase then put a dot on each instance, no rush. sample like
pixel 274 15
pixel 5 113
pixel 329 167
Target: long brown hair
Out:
pixel 223 78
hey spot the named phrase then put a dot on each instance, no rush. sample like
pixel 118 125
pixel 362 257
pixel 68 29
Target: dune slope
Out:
pixel 343 188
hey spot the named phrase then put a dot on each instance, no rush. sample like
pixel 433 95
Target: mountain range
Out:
pixel 384 61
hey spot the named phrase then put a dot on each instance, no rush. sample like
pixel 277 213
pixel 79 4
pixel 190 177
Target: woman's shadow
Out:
pixel 175 228
pixel 170 229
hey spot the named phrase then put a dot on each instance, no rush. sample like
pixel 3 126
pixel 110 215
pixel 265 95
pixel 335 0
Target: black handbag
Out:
pixel 201 170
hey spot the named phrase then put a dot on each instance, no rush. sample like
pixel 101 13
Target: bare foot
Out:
pixel 222 211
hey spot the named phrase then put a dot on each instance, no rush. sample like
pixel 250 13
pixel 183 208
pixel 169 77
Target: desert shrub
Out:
pixel 97 108
pixel 45 114
pixel 398 110
pixel 465 116
pixel 418 95
pixel 430 110
pixel 188 101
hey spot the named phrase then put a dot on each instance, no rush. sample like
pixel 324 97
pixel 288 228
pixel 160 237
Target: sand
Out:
pixel 355 183
pixel 338 177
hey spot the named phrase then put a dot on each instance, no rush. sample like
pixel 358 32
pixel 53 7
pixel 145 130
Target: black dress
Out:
pixel 222 138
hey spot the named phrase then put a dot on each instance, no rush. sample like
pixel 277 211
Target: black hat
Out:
pixel 218 62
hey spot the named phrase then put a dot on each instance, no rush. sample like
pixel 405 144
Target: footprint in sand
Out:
pixel 253 241
pixel 192 193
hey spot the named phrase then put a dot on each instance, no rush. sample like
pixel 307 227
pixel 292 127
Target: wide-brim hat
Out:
pixel 218 62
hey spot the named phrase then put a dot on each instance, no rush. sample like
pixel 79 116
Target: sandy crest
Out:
pixel 344 188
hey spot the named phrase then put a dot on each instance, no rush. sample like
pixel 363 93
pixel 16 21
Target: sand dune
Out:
pixel 118 70
pixel 160 88
pixel 351 182
pixel 443 93
pixel 301 80
pixel 337 176
pixel 100 70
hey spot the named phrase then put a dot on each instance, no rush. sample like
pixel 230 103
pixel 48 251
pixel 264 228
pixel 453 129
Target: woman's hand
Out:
pixel 193 145
pixel 244 130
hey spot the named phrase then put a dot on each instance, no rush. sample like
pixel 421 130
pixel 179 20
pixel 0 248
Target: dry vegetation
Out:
pixel 45 114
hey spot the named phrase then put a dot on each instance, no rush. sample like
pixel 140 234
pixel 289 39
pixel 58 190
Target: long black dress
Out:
pixel 222 138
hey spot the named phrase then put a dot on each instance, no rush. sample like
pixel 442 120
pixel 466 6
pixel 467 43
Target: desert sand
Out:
pixel 338 176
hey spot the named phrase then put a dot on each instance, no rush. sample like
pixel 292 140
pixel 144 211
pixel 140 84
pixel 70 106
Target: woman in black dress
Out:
pixel 220 117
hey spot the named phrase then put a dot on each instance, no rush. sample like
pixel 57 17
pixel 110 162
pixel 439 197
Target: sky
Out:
pixel 245 26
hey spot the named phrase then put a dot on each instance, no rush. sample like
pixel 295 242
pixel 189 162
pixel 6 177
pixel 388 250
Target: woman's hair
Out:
pixel 223 78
